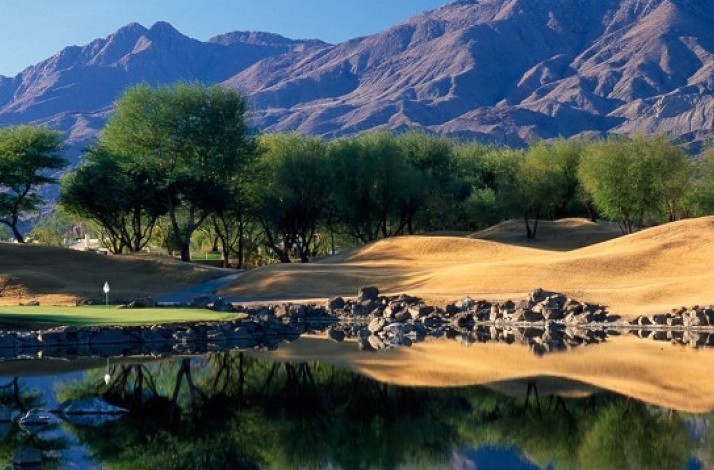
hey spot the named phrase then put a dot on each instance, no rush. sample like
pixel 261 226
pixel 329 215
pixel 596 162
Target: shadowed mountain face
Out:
pixel 505 71
pixel 500 70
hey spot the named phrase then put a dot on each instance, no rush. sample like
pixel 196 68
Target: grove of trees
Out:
pixel 169 151
pixel 179 165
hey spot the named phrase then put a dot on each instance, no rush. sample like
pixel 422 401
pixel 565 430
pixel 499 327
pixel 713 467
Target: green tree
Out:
pixel 375 188
pixel 477 170
pixel 432 206
pixel 290 193
pixel 635 180
pixel 564 156
pixel 57 229
pixel 671 171
pixel 707 181
pixel 4 233
pixel 125 199
pixel 192 139
pixel 543 181
pixel 698 200
pixel 635 437
pixel 28 155
pixel 239 235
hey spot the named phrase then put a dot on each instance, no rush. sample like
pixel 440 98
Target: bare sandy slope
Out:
pixel 559 235
pixel 59 276
pixel 664 374
pixel 650 271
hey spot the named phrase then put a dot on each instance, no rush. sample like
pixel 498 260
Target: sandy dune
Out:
pixel 559 235
pixel 58 276
pixel 649 271
pixel 660 373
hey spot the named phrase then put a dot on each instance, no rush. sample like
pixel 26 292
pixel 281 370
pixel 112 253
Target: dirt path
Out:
pixel 203 288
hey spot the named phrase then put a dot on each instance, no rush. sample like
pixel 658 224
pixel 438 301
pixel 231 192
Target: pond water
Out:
pixel 625 402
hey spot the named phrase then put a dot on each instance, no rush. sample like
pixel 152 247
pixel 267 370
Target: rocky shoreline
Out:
pixel 544 321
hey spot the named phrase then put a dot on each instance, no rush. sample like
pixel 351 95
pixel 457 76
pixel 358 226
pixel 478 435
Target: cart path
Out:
pixel 204 288
pixel 210 288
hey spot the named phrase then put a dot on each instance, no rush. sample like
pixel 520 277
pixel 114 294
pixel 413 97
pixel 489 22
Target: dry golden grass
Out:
pixel 560 235
pixel 664 374
pixel 57 276
pixel 650 271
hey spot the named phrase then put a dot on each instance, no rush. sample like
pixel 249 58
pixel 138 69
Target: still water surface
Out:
pixel 309 406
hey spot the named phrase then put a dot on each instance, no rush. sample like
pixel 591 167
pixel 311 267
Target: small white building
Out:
pixel 87 244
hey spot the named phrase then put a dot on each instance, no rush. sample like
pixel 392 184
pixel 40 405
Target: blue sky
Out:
pixel 33 30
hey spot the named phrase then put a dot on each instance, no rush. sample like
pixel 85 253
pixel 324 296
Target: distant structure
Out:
pixel 88 244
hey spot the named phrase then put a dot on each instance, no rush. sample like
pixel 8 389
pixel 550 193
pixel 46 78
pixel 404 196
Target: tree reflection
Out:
pixel 18 400
pixel 635 435
pixel 231 410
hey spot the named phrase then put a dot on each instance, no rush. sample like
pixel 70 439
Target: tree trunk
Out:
pixel 224 253
pixel 283 256
pixel 240 250
pixel 672 207
pixel 135 241
pixel 592 212
pixel 16 233
pixel 332 237
pixel 530 235
pixel 185 252
pixel 183 242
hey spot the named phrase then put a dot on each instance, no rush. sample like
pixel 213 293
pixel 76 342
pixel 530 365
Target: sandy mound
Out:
pixel 58 276
pixel 650 271
pixel 435 249
pixel 559 235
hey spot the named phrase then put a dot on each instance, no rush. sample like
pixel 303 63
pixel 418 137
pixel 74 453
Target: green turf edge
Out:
pixel 15 316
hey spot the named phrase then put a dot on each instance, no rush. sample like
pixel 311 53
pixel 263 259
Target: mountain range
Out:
pixel 501 71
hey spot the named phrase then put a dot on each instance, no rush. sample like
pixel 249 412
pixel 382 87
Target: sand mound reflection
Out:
pixel 659 373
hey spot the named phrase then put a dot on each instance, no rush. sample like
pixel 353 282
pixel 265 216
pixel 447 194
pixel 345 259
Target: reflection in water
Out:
pixel 232 410
pixel 25 440
pixel 541 339
pixel 268 333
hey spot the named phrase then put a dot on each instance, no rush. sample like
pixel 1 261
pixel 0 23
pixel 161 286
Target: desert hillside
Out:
pixel 60 276
pixel 650 271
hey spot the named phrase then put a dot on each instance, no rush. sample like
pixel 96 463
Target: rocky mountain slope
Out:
pixel 499 70
pixel 74 90
pixel 505 71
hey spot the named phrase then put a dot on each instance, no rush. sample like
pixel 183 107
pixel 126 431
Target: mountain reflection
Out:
pixel 233 410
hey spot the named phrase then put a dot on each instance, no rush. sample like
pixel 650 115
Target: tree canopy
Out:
pixel 191 139
pixel 28 157
pixel 635 180
pixel 123 198
pixel 290 195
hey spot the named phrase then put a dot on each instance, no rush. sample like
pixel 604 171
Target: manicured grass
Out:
pixel 43 316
